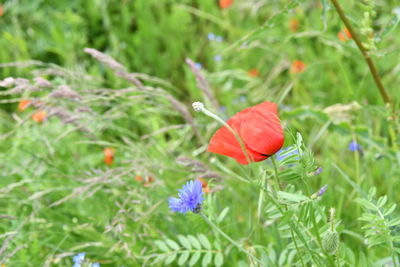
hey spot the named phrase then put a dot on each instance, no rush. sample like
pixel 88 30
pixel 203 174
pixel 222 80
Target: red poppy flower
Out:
pixel 225 3
pixel 297 66
pixel 259 129
pixel 23 104
pixel 204 185
pixel 1 10
pixel 294 25
pixel 253 73
pixel 39 116
pixel 344 35
pixel 108 155
pixel 139 178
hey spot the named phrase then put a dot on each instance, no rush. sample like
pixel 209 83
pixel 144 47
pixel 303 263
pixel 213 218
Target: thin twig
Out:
pixel 364 52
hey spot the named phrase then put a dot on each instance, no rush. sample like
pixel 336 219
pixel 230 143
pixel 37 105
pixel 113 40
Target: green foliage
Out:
pixel 59 198
pixel 191 250
pixel 380 221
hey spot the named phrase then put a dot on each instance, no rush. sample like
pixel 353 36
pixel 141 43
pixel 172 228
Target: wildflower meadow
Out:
pixel 199 133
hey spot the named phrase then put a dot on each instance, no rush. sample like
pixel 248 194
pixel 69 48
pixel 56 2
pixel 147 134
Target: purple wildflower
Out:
pixel 318 171
pixel 354 146
pixel 190 198
pixel 211 36
pixel 322 190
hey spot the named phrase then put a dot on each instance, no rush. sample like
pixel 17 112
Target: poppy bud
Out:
pixel 197 106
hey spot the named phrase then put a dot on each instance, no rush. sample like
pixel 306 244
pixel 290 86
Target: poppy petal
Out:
pixel 262 131
pixel 258 127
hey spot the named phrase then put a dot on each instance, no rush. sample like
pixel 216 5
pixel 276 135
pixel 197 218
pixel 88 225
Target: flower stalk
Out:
pixel 364 52
pixel 216 228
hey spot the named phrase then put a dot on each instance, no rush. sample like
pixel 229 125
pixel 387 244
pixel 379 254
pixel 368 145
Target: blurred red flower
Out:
pixel 1 10
pixel 23 104
pixel 204 185
pixel 297 66
pixel 253 73
pixel 109 155
pixel 225 3
pixel 259 129
pixel 39 116
pixel 344 35
pixel 294 25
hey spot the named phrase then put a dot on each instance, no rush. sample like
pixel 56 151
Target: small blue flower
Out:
pixel 77 259
pixel 217 58
pixel 242 98
pixel 190 198
pixel 322 190
pixel 354 146
pixel 280 155
pixel 318 171
pixel 211 36
pixel 96 264
pixel 219 39
pixel 198 65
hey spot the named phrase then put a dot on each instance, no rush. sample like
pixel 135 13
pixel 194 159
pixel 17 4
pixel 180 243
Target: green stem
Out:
pixel 364 52
pixel 276 175
pixel 216 228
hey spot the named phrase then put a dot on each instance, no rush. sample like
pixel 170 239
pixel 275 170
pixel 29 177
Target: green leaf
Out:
pixel 394 222
pixel 292 197
pixel 161 245
pixel 390 209
pixel 158 259
pixel 195 258
pixel 222 215
pixel 183 258
pixel 382 201
pixel 206 259
pixel 219 259
pixel 204 241
pixel 170 259
pixel 172 244
pixel 194 241
pixel 365 203
pixel 185 242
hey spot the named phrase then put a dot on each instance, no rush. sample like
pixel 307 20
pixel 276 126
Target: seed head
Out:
pixel 198 106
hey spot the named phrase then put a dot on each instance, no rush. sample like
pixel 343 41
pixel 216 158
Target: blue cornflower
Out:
pixel 354 146
pixel 198 65
pixel 219 39
pixel 242 98
pixel 77 259
pixel 211 36
pixel 96 264
pixel 280 157
pixel 190 198
pixel 217 58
